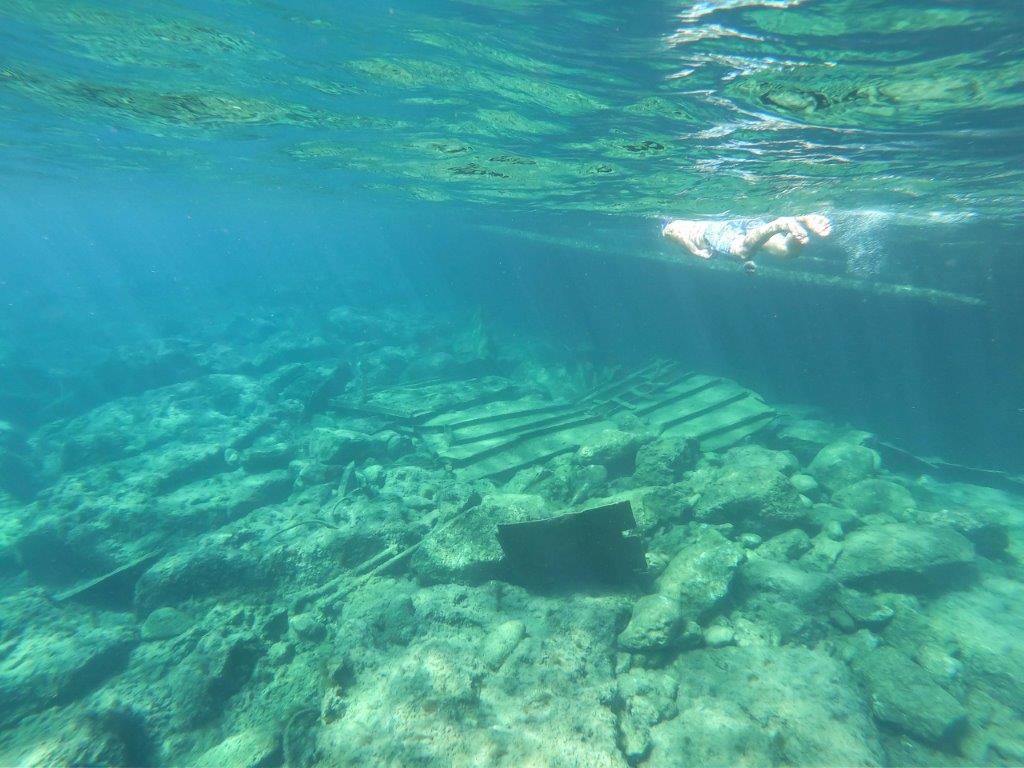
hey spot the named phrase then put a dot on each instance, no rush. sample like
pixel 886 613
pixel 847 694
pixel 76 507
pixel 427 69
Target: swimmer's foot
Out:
pixel 818 224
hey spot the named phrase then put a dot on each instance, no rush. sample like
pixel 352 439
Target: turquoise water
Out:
pixel 300 302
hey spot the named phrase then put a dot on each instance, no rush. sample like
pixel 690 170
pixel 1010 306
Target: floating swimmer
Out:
pixel 744 238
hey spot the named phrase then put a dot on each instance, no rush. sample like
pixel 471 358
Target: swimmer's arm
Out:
pixel 755 238
pixel 690 235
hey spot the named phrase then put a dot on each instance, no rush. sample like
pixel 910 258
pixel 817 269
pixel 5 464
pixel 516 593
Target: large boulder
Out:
pixel 664 461
pixel 758 499
pixel 904 557
pixel 875 497
pixel 905 697
pixel 838 465
pixel 760 705
pixel 692 584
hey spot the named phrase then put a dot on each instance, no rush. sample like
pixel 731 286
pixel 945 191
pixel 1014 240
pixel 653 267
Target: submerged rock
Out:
pixel 252 748
pixel 468 551
pixel 754 456
pixel 644 698
pixel 693 582
pixel 899 556
pixel 838 465
pixel 764 706
pixel 195 573
pixel 43 667
pixel 759 499
pixel 664 461
pixel 613 449
pixel 164 623
pixel 903 695
pixel 501 642
pixel 875 497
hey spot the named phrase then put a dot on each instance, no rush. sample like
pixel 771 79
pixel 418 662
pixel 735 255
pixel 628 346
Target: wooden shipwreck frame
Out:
pixel 487 427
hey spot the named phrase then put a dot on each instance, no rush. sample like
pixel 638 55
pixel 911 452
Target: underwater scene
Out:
pixel 528 383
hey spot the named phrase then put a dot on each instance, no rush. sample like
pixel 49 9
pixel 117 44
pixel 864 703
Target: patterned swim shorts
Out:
pixel 722 235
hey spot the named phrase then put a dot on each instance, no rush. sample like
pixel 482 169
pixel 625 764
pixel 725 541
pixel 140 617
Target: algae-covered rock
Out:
pixel 340 446
pixel 251 748
pixel 196 573
pixel 875 497
pixel 804 484
pixel 838 465
pixel 219 666
pixel 698 577
pixel 164 623
pixel 789 545
pixel 644 698
pixel 788 603
pixel 500 642
pixel 468 551
pixel 764 706
pixel 613 449
pixel 904 696
pixel 654 625
pixel 55 665
pixel 693 582
pixel 664 461
pixel 759 499
pixel 754 456
pixel 900 556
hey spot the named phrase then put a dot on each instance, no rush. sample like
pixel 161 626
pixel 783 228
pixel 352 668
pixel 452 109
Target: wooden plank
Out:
pixel 84 588
pixel 492 411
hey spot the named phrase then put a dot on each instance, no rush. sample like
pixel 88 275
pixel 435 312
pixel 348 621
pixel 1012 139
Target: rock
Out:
pixel 46 666
pixel 194 573
pixel 468 551
pixel 759 500
pixel 645 698
pixel 904 557
pixel 499 644
pixel 252 748
pixel 222 498
pixel 903 695
pixel 750 540
pixel 823 553
pixel 173 468
pixel 306 627
pixel 788 602
pixel 864 610
pixel 654 625
pixel 665 460
pixel 804 484
pixel 764 706
pixel 719 636
pixel 217 668
pixel 791 545
pixel 693 582
pixel 340 446
pixel 660 506
pixel 266 457
pixel 838 465
pixel 805 437
pixel 280 653
pixel 164 623
pixel 753 456
pixel 983 527
pixel 61 736
pixel 698 577
pixel 875 497
pixel 613 449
